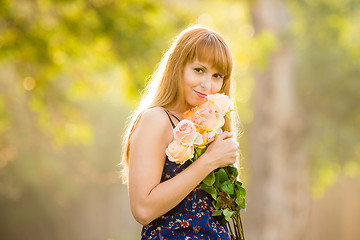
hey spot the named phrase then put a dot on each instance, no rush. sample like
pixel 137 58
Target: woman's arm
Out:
pixel 149 198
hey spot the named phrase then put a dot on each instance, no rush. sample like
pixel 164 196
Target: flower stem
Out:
pixel 235 228
pixel 242 229
pixel 238 231
pixel 231 232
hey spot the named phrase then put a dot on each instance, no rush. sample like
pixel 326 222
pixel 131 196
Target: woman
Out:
pixel 165 196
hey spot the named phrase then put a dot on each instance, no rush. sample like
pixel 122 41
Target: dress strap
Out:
pixel 175 117
pixel 172 123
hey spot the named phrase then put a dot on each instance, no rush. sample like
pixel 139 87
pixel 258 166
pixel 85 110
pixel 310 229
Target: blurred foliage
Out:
pixel 327 43
pixel 62 63
pixel 70 73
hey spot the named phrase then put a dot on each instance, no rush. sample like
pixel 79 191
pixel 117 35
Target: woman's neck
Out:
pixel 178 111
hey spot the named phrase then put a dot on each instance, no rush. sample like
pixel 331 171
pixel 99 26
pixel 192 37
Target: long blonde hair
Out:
pixel 165 87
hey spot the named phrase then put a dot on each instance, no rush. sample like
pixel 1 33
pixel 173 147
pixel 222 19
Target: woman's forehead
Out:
pixel 216 59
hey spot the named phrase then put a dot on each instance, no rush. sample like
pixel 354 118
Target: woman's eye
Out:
pixel 199 70
pixel 218 76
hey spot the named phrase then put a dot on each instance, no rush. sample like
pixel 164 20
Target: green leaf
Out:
pixel 228 213
pixel 200 151
pixel 222 175
pixel 218 204
pixel 227 187
pixel 210 179
pixel 233 171
pixel 241 192
pixel 238 184
pixel 208 189
pixel 240 202
pixel 217 213
pixel 215 205
pixel 214 195
pixel 217 184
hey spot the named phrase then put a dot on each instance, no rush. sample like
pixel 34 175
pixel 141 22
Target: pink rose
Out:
pixel 206 119
pixel 185 131
pixel 219 102
pixel 178 152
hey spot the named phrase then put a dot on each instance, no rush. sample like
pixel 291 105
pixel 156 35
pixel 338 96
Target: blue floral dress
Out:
pixel 190 219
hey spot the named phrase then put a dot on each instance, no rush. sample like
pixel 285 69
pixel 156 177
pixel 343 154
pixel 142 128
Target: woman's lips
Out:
pixel 202 95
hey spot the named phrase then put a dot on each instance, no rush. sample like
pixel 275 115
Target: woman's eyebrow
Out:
pixel 202 65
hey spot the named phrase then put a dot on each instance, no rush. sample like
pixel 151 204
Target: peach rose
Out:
pixel 189 114
pixel 178 152
pixel 209 137
pixel 206 119
pixel 219 102
pixel 185 131
pixel 220 120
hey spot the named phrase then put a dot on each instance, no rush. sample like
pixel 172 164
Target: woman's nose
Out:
pixel 206 82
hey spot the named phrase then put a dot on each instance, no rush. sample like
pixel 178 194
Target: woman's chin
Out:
pixel 196 102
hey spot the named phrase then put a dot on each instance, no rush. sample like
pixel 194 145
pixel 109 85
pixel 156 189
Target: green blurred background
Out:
pixel 71 71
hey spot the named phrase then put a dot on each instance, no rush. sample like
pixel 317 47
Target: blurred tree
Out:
pixel 315 68
pixel 279 176
pixel 328 69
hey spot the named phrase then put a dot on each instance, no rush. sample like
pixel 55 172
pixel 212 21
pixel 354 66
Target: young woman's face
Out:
pixel 200 79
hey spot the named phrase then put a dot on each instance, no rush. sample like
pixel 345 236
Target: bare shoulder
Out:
pixel 155 114
pixel 155 117
pixel 154 123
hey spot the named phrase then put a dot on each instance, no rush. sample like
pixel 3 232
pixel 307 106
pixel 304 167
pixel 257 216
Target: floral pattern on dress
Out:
pixel 190 219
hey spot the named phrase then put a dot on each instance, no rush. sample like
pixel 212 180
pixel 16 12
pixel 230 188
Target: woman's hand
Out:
pixel 223 151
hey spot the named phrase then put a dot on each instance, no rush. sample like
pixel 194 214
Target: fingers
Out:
pixel 232 158
pixel 225 135
pixel 233 143
pixel 225 148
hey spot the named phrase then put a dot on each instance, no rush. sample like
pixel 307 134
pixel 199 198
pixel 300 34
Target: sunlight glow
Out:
pixel 29 83
pixel 205 19
pixel 247 31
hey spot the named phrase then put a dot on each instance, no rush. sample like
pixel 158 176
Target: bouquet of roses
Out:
pixel 192 135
